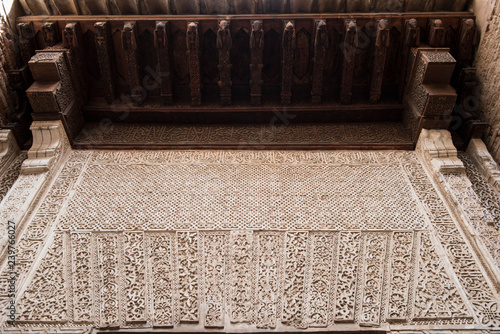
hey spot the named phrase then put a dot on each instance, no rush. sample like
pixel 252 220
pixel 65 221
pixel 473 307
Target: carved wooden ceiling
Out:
pixel 312 68
pixel 186 7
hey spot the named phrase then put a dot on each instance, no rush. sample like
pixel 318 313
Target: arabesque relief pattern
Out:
pixel 489 199
pixel 114 271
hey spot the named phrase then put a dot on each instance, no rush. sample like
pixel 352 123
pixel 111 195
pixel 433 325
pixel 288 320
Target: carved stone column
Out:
pixel 224 44
pixel 162 50
pixel 349 49
pixel 104 47
pixel 193 53
pixel 321 44
pixel 129 44
pixel 288 44
pixel 256 47
pixel 382 43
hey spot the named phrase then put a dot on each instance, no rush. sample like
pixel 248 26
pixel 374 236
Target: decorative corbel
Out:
pixel 50 33
pixel 349 47
pixel 193 53
pixel 321 44
pixel 438 152
pixel 224 44
pixel 382 43
pixel 129 44
pixel 49 144
pixel 288 44
pixel 104 47
pixel 162 50
pixel 256 47
pixel 437 33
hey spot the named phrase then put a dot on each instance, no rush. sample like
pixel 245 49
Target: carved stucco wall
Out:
pixel 256 241
pixel 487 62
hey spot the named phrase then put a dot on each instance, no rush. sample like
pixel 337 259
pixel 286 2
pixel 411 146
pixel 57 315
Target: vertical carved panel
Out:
pixel 129 44
pixel 268 255
pixel 187 253
pixel 107 284
pixel 256 47
pixel 104 55
pixel 374 265
pixel 162 49
pixel 81 255
pixel 348 266
pixel 436 294
pixel 134 270
pixel 288 45
pixel 349 48
pixel 411 40
pixel 401 272
pixel 467 41
pixel 323 252
pixel 437 33
pixel 320 47
pixel 241 289
pixel 44 301
pixel 50 33
pixel 382 43
pixel 224 43
pixel 26 41
pixel 294 278
pixel 161 278
pixel 193 49
pixel 214 249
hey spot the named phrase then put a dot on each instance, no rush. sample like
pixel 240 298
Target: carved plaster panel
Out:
pixel 152 239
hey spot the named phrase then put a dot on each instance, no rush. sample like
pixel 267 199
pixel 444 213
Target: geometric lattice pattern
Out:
pixel 242 196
